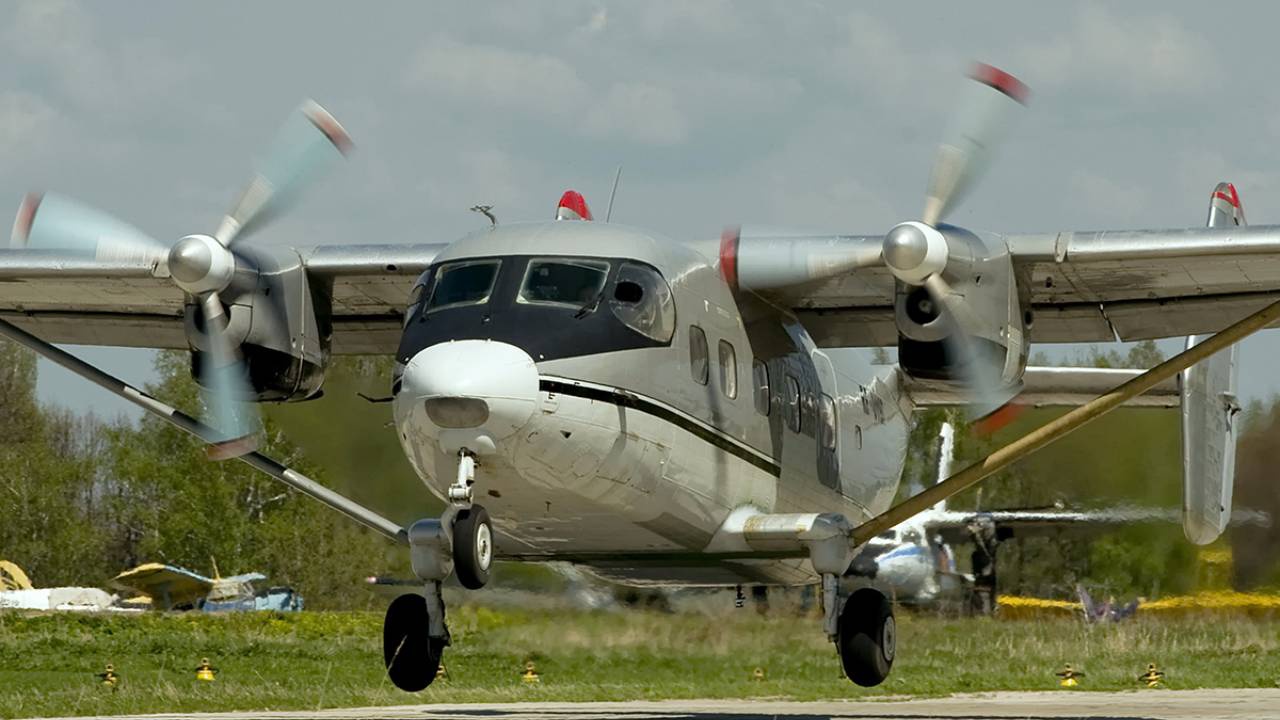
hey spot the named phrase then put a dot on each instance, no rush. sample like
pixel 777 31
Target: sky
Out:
pixel 798 114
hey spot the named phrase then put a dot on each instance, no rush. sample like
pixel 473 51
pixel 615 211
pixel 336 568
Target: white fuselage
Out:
pixel 626 460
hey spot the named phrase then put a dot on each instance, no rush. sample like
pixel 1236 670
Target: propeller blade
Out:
pixel 981 123
pixel 225 387
pixel 47 221
pixel 979 370
pixel 309 142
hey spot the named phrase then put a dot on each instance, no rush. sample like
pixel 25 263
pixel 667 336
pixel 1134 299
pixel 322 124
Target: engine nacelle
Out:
pixel 982 272
pixel 282 325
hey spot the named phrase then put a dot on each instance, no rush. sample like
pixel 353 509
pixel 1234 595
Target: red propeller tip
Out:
pixel 328 125
pixel 1000 80
pixel 729 240
pixel 25 219
pixel 997 419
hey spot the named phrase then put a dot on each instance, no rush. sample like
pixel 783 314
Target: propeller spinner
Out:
pixel 203 265
pixel 917 252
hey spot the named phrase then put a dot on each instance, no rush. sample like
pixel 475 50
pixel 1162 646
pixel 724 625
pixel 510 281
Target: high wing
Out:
pixel 1081 286
pixel 68 297
pixel 168 586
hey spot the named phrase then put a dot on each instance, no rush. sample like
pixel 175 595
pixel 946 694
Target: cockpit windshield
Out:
pixel 464 283
pixel 550 306
pixel 563 281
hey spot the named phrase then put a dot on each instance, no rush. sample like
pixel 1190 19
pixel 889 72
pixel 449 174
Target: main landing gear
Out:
pixel 867 637
pixel 414 633
pixel 861 625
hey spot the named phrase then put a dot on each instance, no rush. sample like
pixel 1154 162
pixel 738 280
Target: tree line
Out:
pixel 1131 458
pixel 82 497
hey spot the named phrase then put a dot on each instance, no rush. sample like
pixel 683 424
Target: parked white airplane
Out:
pixel 655 411
pixel 915 562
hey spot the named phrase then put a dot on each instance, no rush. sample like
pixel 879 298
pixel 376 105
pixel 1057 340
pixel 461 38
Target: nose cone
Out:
pixel 470 389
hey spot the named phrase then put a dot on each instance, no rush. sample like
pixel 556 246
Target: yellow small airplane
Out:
pixel 167 587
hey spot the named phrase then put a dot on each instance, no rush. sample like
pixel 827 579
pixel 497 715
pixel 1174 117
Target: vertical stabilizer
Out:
pixel 946 455
pixel 1209 409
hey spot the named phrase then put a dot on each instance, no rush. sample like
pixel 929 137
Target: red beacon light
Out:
pixel 573 207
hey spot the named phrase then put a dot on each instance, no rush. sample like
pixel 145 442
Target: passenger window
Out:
pixel 698 364
pixel 642 301
pixel 728 370
pixel 566 281
pixel 827 421
pixel 464 283
pixel 793 404
pixel 760 384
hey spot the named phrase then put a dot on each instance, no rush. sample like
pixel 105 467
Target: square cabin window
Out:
pixel 827 421
pixel 728 370
pixel 760 386
pixel 699 365
pixel 793 404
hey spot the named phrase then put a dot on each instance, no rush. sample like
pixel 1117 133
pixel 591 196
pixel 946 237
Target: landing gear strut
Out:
pixel 414 634
pixel 862 625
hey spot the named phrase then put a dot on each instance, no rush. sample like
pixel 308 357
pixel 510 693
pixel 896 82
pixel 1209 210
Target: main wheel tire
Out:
pixel 868 637
pixel 472 547
pixel 411 655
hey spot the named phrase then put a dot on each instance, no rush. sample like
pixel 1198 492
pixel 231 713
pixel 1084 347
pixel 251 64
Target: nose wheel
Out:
pixel 472 547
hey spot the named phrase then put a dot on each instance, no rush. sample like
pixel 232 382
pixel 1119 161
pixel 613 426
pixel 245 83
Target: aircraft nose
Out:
pixel 476 391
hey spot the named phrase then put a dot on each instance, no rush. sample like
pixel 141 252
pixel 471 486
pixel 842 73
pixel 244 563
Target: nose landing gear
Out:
pixel 414 634
pixel 472 547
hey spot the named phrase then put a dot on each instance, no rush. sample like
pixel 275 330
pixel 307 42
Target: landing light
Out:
pixel 457 412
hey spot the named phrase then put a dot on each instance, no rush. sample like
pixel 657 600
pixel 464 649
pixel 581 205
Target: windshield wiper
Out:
pixel 591 306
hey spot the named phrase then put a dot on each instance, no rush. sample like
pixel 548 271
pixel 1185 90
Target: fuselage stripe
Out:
pixel 626 399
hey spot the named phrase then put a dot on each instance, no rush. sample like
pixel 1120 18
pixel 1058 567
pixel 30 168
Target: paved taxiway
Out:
pixel 1136 705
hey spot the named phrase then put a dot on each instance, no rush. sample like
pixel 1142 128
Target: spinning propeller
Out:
pixel 203 265
pixel 917 253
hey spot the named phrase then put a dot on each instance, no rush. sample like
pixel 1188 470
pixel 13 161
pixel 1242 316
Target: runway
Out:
pixel 1136 705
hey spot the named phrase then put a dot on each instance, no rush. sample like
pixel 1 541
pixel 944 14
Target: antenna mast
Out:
pixel 608 213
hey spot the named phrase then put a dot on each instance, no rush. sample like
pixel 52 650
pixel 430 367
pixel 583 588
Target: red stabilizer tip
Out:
pixel 997 419
pixel 25 219
pixel 1002 81
pixel 573 200
pixel 1230 196
pixel 228 449
pixel 729 255
pixel 329 125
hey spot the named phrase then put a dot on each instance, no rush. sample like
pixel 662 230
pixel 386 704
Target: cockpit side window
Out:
pixel 571 282
pixel 416 296
pixel 468 282
pixel 642 301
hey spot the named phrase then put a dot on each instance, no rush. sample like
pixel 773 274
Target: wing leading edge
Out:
pixel 71 298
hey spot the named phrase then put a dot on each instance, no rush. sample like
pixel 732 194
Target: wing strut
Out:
pixel 1047 433
pixel 182 421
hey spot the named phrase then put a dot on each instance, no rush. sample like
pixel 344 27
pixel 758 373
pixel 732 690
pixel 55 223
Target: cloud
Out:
pixel 491 76
pixel 639 111
pixel 1137 56
pixel 26 122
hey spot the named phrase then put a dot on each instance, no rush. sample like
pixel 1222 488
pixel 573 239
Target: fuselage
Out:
pixel 623 402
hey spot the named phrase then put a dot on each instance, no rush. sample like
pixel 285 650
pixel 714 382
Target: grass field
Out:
pixel 314 660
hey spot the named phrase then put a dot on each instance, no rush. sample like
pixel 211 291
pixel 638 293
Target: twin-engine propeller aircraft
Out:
pixel 658 412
